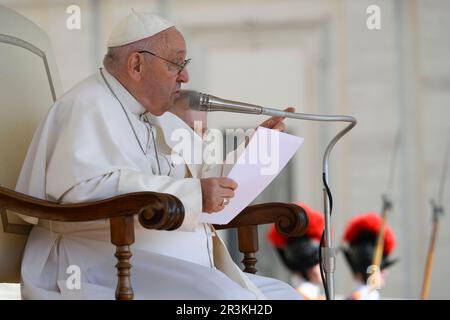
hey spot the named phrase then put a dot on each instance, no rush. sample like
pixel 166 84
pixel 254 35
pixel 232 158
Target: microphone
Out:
pixel 208 103
pixel 205 102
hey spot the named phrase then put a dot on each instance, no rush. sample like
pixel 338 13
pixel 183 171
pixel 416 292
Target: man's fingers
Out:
pixel 267 123
pixel 289 109
pixel 228 183
pixel 214 191
pixel 272 122
pixel 278 119
pixel 227 193
pixel 280 126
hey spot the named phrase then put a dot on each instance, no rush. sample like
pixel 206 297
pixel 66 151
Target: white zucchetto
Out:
pixel 137 26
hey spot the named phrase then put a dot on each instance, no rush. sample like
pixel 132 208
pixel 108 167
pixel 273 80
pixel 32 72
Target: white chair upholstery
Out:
pixel 10 291
pixel 29 84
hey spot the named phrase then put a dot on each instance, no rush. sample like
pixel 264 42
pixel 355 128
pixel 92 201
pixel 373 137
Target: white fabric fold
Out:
pixel 91 147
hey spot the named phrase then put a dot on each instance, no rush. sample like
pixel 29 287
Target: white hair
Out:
pixel 116 57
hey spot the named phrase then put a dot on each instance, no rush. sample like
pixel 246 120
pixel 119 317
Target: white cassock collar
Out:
pixel 126 98
pixel 168 122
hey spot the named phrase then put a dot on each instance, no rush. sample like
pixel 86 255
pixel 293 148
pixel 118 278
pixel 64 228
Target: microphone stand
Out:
pixel 205 102
pixel 328 251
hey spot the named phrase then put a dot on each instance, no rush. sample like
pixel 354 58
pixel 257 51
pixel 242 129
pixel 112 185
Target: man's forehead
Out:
pixel 175 41
pixel 180 51
pixel 176 51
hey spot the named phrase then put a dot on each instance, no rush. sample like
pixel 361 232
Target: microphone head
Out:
pixel 195 100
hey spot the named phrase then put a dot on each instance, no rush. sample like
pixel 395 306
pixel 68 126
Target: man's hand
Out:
pixel 276 123
pixel 214 191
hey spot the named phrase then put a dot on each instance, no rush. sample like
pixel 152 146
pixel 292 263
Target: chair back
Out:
pixel 29 84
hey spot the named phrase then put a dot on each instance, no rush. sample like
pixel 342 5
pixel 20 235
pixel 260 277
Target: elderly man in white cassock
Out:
pixel 110 135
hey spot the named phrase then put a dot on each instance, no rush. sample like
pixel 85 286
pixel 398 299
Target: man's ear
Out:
pixel 134 66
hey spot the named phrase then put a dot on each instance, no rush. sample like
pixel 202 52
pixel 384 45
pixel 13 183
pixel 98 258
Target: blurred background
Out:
pixel 320 57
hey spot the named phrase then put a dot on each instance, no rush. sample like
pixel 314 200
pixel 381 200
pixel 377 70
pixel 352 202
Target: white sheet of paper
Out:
pixel 265 156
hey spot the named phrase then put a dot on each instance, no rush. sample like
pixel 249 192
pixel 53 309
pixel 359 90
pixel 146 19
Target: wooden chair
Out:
pixel 29 84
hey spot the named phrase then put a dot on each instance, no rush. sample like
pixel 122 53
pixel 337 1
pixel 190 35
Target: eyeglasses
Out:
pixel 180 66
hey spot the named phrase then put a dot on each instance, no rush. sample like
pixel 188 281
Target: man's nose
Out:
pixel 183 76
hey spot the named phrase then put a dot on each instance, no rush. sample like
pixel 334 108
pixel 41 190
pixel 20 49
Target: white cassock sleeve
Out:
pixel 92 151
pixel 222 170
pixel 126 181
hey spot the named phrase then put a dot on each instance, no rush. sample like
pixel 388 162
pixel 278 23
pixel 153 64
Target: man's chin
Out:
pixel 160 112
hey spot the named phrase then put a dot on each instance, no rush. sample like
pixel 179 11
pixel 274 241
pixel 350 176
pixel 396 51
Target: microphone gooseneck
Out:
pixel 204 102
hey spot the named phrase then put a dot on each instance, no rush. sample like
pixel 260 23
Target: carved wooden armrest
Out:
pixel 155 211
pixel 290 220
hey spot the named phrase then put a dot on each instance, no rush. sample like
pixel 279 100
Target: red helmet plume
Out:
pixel 370 222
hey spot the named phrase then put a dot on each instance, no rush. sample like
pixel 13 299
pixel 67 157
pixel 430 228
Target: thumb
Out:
pixel 289 109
